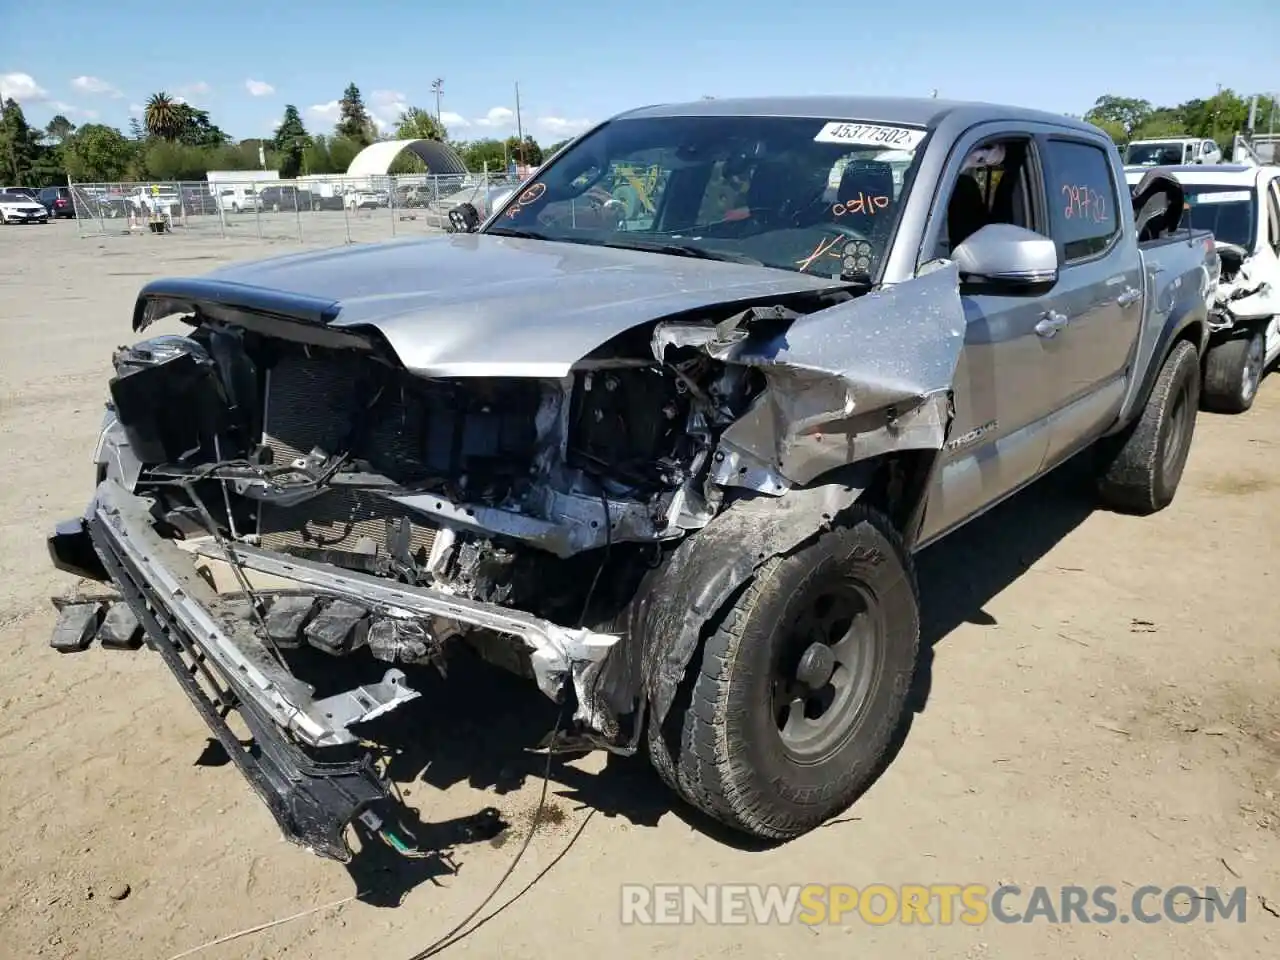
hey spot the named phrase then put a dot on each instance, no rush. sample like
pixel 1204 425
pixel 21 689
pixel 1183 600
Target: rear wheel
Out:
pixel 1140 468
pixel 793 704
pixel 1232 372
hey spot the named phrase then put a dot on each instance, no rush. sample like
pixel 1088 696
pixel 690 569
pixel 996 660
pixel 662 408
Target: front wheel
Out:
pixel 1232 372
pixel 797 694
pixel 1140 468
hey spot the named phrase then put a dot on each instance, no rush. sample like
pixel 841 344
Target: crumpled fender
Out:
pixel 848 383
pixel 677 600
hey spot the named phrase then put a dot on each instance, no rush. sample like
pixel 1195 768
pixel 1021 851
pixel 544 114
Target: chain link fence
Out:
pixel 326 210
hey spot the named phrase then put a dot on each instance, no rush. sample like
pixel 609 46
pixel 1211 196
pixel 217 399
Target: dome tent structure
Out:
pixel 376 159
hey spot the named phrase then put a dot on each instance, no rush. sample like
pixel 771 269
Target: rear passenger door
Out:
pixel 1098 299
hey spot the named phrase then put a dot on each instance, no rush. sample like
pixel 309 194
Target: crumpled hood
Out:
pixel 479 305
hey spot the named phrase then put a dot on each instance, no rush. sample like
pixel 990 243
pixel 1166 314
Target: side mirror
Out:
pixel 1004 259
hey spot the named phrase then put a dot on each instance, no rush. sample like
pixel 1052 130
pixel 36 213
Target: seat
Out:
pixel 966 211
pixel 864 200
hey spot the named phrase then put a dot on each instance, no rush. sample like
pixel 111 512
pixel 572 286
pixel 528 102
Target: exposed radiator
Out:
pixel 311 403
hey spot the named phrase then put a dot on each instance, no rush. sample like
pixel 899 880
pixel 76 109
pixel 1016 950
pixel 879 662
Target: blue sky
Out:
pixel 579 61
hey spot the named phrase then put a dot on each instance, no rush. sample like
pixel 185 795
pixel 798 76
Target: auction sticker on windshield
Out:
pixel 870 135
pixel 1226 196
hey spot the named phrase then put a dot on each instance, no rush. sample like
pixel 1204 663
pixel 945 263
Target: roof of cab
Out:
pixel 912 111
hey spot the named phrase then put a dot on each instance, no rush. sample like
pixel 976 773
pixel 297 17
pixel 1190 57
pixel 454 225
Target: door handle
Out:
pixel 1050 324
pixel 1130 295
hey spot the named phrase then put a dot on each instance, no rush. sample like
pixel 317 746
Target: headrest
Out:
pixel 871 178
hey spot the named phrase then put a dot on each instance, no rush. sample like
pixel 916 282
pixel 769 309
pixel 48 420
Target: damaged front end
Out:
pixel 1248 289
pixel 269 484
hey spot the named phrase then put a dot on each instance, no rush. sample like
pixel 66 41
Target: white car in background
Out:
pixel 20 208
pixel 1241 205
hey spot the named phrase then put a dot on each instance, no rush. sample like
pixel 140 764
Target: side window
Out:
pixel 1083 203
pixel 992 187
pixel 1273 216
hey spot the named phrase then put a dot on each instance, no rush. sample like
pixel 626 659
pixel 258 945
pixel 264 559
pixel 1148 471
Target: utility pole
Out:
pixel 519 127
pixel 437 87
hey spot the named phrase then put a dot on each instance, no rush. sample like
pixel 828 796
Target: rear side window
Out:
pixel 1273 216
pixel 1083 204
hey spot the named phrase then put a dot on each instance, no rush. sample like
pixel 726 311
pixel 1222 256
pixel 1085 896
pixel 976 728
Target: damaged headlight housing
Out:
pixel 168 398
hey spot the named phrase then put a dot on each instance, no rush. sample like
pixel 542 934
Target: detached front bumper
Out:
pixel 213 649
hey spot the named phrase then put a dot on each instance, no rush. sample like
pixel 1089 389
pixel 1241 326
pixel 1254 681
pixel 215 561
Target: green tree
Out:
pixel 552 150
pixel 161 116
pixel 97 153
pixel 135 129
pixel 59 128
pixel 316 159
pixel 478 153
pixel 354 123
pixel 524 151
pixel 417 124
pixel 1111 112
pixel 291 141
pixel 19 144
pixel 195 129
pixel 1114 129
pixel 342 151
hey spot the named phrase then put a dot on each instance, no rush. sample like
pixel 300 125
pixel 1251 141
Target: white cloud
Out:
pixel 192 90
pixel 560 126
pixel 96 85
pixel 326 111
pixel 452 120
pixel 137 108
pixel 386 98
pixel 21 87
pixel 259 88
pixel 497 117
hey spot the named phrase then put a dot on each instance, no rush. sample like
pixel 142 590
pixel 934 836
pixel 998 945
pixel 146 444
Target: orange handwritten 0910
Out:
pixel 533 194
pixel 1084 203
pixel 860 204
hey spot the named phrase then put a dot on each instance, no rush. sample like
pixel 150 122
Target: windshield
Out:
pixel 1228 211
pixel 808 195
pixel 1154 154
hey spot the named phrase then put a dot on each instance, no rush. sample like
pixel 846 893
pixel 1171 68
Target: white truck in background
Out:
pixel 1170 152
pixel 1241 205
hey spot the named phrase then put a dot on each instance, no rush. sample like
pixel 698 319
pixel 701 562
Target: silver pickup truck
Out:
pixel 669 460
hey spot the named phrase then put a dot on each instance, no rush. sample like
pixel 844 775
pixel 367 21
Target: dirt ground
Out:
pixel 1101 706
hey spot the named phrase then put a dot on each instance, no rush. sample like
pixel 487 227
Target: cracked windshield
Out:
pixel 809 195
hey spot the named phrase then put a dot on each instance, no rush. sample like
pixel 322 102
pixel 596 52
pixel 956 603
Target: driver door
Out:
pixel 1005 397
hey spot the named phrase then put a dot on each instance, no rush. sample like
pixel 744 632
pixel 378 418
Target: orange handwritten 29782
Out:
pixel 1084 203
pixel 860 204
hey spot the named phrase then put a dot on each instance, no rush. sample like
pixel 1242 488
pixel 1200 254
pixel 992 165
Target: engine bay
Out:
pixel 513 491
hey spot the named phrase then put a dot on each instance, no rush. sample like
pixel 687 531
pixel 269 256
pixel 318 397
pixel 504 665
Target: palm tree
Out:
pixel 162 116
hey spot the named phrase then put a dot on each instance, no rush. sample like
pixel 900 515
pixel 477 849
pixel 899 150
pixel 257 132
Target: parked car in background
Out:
pixel 31 192
pixel 285 197
pixel 58 201
pixel 1241 206
pixel 671 469
pixel 238 199
pixel 367 199
pixel 1170 152
pixel 198 201
pixel 20 208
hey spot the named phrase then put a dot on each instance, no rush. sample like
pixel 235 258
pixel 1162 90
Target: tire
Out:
pixel 725 747
pixel 1232 372
pixel 1140 468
